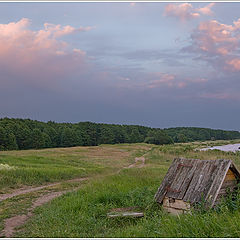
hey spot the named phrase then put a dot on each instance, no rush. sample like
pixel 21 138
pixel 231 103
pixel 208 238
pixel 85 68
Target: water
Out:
pixel 225 148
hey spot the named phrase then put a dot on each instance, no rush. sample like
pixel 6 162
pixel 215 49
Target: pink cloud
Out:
pixel 185 11
pixel 182 11
pixel 32 54
pixel 171 80
pixel 214 37
pixel 166 80
pixel 206 10
pixel 233 64
pixel 218 44
pixel 59 31
pixel 161 79
pixel 182 84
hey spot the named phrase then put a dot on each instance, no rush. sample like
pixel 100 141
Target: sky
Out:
pixel 152 64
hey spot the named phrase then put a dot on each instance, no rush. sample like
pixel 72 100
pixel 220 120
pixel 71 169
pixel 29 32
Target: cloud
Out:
pixel 161 79
pixel 186 11
pixel 164 80
pixel 32 55
pixel 217 44
pixel 233 64
pixel 206 10
pixel 182 11
pixel 58 31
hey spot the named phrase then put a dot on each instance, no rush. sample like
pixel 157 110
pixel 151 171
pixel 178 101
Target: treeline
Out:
pixel 30 134
pixel 189 134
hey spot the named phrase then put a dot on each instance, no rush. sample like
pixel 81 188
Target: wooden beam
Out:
pixel 125 214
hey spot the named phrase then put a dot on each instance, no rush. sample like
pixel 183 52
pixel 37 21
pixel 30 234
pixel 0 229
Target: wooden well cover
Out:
pixel 193 180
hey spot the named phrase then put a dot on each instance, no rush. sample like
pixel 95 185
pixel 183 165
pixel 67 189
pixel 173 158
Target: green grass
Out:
pixel 37 167
pixel 83 213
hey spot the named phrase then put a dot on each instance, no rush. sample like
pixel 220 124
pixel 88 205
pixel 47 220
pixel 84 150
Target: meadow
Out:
pixel 109 183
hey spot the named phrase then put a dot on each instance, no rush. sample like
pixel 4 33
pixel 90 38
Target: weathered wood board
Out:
pixel 162 190
pixel 125 214
pixel 190 181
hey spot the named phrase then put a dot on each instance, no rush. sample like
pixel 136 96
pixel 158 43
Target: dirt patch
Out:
pixel 141 160
pixel 25 190
pixel 137 159
pixel 45 198
pixel 12 223
pixel 135 164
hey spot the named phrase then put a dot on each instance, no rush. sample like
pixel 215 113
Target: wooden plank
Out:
pixel 185 172
pixel 162 190
pixel 217 181
pixel 186 183
pixel 176 203
pixel 194 190
pixel 125 214
pixel 196 179
pixel 202 189
pixel 175 184
pixel 202 181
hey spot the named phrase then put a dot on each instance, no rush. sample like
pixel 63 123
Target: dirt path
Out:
pixel 12 223
pixel 137 159
pixel 25 190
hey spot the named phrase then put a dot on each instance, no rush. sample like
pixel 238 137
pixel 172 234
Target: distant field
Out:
pixel 110 184
pixel 36 167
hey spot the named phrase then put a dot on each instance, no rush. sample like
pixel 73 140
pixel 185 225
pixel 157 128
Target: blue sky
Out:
pixel 154 64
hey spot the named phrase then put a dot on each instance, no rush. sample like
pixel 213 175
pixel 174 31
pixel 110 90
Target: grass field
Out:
pixel 82 213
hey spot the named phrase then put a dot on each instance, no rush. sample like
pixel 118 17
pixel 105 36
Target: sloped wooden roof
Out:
pixel 193 180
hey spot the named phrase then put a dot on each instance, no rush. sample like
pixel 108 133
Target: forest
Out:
pixel 17 134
